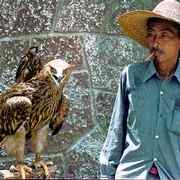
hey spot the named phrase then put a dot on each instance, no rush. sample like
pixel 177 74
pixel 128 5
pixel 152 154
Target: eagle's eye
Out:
pixel 53 70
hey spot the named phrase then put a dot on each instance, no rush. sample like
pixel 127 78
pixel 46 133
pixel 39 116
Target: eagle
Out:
pixel 29 65
pixel 32 106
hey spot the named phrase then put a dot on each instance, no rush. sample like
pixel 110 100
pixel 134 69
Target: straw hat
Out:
pixel 133 23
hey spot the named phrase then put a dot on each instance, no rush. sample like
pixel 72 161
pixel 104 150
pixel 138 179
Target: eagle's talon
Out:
pixel 12 169
pixel 41 164
pixel 22 169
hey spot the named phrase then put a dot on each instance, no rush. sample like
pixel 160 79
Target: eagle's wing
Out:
pixel 62 112
pixel 22 69
pixel 15 112
pixel 29 65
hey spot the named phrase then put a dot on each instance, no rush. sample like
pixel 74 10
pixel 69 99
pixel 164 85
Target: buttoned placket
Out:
pixel 159 120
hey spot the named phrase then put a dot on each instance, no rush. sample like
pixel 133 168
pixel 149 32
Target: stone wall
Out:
pixel 83 32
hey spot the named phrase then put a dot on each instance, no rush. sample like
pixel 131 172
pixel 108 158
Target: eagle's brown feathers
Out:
pixel 28 107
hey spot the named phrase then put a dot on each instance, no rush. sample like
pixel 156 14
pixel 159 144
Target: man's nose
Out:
pixel 155 42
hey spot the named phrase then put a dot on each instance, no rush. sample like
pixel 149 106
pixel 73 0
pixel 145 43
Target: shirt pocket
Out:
pixel 174 125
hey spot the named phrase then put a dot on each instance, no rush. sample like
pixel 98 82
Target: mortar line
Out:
pixel 57 12
pixel 82 138
pixel 53 34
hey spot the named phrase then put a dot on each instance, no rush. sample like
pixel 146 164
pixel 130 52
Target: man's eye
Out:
pixel 164 35
pixel 149 34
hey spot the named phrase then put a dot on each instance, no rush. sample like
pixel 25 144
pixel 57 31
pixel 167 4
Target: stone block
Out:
pixel 94 16
pixel 107 55
pixel 117 7
pixel 82 159
pixel 78 91
pixel 25 16
pixel 104 102
pixel 80 16
pixel 68 48
pixel 80 166
pixel 10 54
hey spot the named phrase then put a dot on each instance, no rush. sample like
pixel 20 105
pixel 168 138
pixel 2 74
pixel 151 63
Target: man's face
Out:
pixel 163 40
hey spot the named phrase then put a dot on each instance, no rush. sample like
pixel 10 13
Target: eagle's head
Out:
pixel 57 72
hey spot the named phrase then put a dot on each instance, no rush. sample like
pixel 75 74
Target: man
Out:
pixel 143 141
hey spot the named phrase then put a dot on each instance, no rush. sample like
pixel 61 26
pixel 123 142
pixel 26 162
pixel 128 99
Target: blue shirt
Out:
pixel 145 125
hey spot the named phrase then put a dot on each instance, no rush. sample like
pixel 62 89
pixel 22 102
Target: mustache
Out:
pixel 152 51
pixel 156 49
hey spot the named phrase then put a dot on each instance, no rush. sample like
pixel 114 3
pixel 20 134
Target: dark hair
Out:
pixel 174 24
pixel 156 19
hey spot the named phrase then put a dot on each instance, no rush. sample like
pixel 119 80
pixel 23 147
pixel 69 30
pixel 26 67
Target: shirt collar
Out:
pixel 177 72
pixel 151 70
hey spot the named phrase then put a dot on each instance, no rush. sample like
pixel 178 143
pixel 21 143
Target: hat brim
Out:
pixel 134 24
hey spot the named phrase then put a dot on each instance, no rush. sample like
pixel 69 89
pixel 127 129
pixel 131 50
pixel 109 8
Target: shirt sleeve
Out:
pixel 114 144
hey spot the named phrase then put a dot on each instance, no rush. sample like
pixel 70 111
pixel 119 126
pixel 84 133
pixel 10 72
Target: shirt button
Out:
pixel 157 137
pixel 161 92
pixel 155 159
